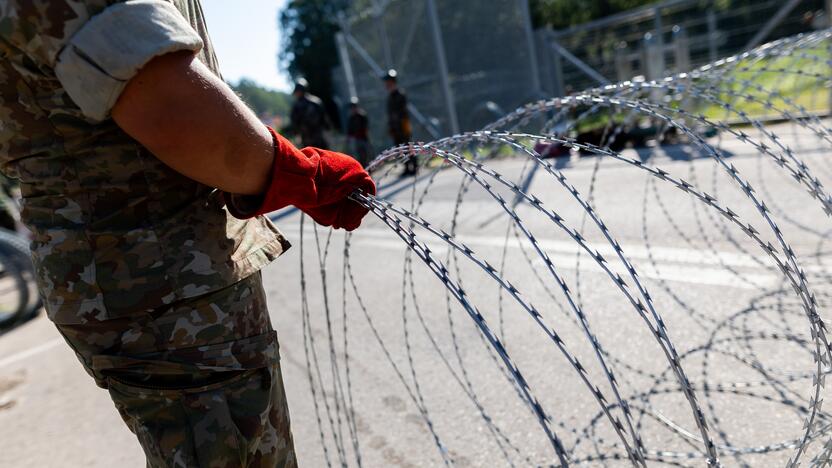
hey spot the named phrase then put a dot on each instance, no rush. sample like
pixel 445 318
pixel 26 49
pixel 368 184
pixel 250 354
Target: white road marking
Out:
pixel 685 273
pixel 671 263
pixel 636 252
pixel 26 354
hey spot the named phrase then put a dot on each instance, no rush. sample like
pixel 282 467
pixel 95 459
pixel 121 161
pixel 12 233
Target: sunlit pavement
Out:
pixel 51 413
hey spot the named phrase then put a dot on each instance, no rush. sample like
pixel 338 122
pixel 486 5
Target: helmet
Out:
pixel 301 84
pixel 354 101
pixel 390 75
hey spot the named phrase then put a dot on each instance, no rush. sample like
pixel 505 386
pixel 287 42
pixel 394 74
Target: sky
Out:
pixel 246 37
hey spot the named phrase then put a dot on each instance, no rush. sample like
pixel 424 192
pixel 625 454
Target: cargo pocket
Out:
pixel 186 427
pixel 250 406
pixel 159 422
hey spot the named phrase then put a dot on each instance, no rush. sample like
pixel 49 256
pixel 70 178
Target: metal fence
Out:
pixel 670 36
pixel 463 63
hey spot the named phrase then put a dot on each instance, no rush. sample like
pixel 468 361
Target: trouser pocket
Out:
pixel 220 424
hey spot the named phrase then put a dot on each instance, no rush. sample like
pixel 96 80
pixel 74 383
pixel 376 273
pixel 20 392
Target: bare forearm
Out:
pixel 192 121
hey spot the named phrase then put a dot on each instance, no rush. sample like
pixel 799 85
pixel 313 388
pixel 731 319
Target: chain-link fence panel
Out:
pixel 486 64
pixel 464 62
pixel 667 37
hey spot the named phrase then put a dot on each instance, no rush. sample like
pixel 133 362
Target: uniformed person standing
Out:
pixel 358 132
pixel 119 129
pixel 398 117
pixel 308 117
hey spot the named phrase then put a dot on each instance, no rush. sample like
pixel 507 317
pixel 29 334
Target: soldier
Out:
pixel 120 131
pixel 358 132
pixel 398 118
pixel 308 117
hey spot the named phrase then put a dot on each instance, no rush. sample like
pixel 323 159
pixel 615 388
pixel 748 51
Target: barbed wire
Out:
pixel 621 406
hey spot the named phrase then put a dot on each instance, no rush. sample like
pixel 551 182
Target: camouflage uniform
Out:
pixel 358 135
pixel 398 117
pixel 398 123
pixel 149 279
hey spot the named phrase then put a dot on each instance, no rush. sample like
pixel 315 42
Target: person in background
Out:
pixel 308 117
pixel 358 132
pixel 398 118
pixel 144 179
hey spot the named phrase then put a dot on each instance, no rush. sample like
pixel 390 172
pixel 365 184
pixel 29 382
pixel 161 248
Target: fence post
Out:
pixel 653 63
pixel 652 53
pixel 534 68
pixel 444 79
pixel 623 65
pixel 557 66
pixel 829 46
pixel 713 37
pixel 545 61
pixel 681 48
pixel 829 12
pixel 659 40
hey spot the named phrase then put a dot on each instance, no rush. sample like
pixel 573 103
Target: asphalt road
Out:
pixel 421 376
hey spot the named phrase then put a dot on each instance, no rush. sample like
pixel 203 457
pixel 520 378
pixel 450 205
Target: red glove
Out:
pixel 317 182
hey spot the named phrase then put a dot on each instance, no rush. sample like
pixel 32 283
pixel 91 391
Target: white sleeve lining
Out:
pixel 110 49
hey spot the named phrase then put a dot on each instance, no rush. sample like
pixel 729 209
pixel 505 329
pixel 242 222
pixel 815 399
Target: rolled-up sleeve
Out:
pixel 109 49
pixel 243 206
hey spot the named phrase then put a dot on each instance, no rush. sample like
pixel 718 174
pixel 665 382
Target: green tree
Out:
pixel 262 100
pixel 309 50
pixel 560 14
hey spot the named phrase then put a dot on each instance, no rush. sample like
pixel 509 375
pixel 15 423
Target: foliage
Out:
pixel 561 14
pixel 772 90
pixel 309 50
pixel 263 101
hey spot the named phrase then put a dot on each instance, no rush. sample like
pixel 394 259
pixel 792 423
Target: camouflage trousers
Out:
pixel 198 382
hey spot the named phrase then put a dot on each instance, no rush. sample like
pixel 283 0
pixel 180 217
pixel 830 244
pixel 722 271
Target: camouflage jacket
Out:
pixel 115 230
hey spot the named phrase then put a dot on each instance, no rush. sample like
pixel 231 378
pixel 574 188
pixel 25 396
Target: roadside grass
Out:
pixel 765 89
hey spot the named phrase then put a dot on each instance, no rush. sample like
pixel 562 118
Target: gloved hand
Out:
pixel 317 182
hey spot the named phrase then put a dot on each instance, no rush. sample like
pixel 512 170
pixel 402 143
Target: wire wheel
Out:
pixel 19 299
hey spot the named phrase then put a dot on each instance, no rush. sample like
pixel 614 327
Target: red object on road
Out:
pixel 551 150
